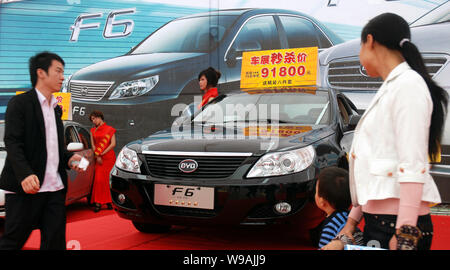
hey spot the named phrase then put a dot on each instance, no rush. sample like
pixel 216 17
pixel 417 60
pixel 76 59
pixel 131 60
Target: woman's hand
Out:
pixel 334 245
pixel 99 160
pixel 349 228
pixel 393 241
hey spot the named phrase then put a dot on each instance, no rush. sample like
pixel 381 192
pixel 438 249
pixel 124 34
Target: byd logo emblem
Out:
pixel 188 166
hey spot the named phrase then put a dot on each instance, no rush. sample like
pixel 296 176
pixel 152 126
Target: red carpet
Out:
pixel 87 230
pixel 441 239
pixel 113 233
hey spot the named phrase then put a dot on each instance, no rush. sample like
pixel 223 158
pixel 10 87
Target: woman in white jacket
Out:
pixel 397 135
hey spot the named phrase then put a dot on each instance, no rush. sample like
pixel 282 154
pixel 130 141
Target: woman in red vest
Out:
pixel 103 141
pixel 207 80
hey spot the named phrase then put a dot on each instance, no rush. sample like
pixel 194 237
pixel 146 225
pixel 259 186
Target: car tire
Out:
pixel 151 228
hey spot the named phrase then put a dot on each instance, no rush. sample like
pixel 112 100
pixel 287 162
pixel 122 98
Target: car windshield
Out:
pixel 306 107
pixel 198 34
pixel 439 14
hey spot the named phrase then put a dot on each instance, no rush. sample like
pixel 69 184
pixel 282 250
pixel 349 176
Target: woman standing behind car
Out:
pixel 103 140
pixel 389 161
pixel 207 80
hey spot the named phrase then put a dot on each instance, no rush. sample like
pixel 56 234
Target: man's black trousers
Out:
pixel 45 211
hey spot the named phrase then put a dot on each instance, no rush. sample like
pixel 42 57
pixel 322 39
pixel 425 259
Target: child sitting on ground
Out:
pixel 333 197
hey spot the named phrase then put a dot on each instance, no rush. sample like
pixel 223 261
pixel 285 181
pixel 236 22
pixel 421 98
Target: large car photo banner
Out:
pixel 137 60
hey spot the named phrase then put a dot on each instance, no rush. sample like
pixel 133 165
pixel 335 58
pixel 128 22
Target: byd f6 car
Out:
pixel 250 157
pixel 162 70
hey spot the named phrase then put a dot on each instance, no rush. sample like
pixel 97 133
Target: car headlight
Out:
pixel 282 163
pixel 134 88
pixel 128 160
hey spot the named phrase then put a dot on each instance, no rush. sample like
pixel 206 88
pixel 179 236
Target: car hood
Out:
pixel 431 38
pixel 254 139
pixel 347 49
pixel 130 65
pixel 425 37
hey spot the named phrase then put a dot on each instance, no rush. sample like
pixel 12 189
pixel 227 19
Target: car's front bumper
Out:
pixel 244 202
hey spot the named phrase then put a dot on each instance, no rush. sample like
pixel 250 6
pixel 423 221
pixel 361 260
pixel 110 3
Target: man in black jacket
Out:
pixel 34 175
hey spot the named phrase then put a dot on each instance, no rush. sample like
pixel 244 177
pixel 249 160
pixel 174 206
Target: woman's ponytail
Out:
pixel 438 95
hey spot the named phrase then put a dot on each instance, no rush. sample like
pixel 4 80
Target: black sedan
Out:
pixel 250 157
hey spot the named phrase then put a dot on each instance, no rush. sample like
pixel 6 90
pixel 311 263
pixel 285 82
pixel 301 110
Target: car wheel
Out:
pixel 151 228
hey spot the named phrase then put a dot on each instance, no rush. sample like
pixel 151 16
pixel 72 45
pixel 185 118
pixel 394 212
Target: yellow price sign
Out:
pixel 279 68
pixel 64 100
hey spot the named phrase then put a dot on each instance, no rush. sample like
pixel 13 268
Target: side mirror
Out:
pixel 75 146
pixel 353 121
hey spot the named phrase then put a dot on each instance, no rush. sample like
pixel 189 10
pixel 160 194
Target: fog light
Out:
pixel 283 208
pixel 121 198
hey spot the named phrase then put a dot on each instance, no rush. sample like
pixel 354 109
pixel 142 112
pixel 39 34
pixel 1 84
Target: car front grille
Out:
pixel 89 90
pixel 347 74
pixel 211 167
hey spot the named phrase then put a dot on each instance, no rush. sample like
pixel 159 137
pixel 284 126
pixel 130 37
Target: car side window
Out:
pixel 257 34
pixel 84 137
pixel 70 135
pixel 300 32
pixel 323 40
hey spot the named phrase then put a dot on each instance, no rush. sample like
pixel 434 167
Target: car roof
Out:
pixel 241 11
pixel 335 39
pixel 242 14
pixel 237 11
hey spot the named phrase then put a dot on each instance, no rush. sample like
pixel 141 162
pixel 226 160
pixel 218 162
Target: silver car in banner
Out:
pixel 76 140
pixel 340 69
